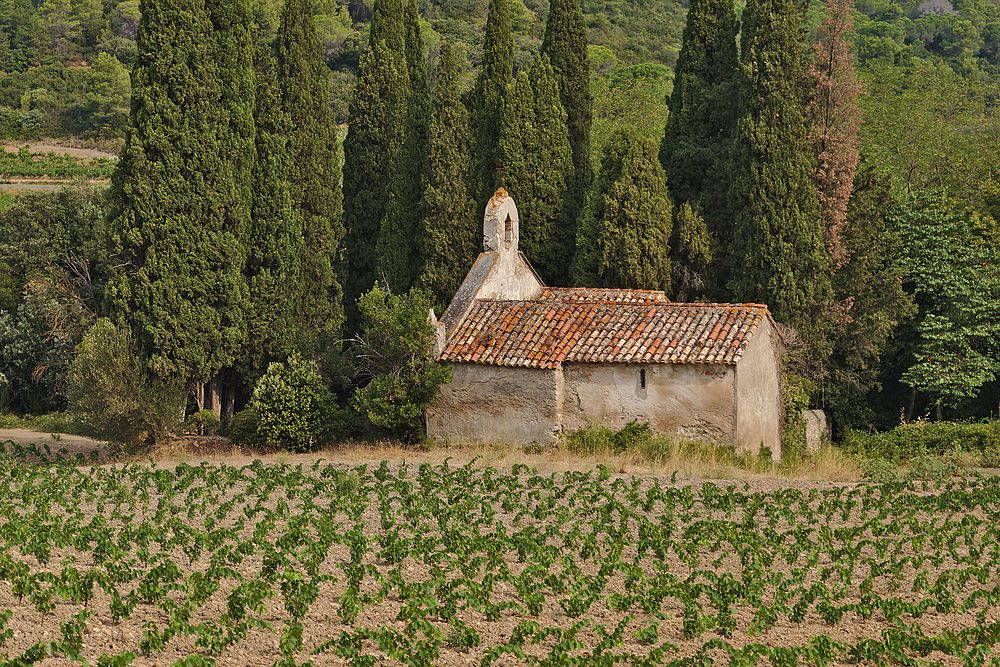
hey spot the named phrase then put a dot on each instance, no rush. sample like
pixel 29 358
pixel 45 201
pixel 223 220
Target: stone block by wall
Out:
pixel 817 430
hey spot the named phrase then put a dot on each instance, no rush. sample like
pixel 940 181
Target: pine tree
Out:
pixel 176 221
pixel 315 174
pixel 276 244
pixel 836 123
pixel 374 146
pixel 398 256
pixel 698 140
pixel 495 76
pixel 565 44
pixel 627 233
pixel 776 255
pixel 537 166
pixel 450 231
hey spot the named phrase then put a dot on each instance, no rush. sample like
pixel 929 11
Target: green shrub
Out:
pixel 110 393
pixel 394 361
pixel 634 436
pixel 795 392
pixel 242 429
pixel 908 441
pixel 203 422
pixel 292 405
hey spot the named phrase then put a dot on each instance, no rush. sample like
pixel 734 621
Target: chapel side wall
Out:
pixel 690 401
pixel 758 394
pixel 497 404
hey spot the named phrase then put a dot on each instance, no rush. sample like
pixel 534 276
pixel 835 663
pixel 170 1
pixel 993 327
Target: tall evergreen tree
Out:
pixel 697 144
pixel 836 123
pixel 276 245
pixel 374 145
pixel 449 237
pixel 177 220
pixel 776 255
pixel 398 256
pixel 315 174
pixel 495 75
pixel 537 166
pixel 626 235
pixel 565 44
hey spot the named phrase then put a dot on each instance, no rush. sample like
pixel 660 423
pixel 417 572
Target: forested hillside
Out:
pixel 328 163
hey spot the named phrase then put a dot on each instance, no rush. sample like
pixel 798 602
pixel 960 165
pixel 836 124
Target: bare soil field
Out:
pixel 242 562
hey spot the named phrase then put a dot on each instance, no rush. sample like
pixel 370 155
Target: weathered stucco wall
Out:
pixel 511 278
pixel 758 394
pixel 695 401
pixel 497 404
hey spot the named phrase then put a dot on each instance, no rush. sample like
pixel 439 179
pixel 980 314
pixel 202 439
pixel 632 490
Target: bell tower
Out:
pixel 500 224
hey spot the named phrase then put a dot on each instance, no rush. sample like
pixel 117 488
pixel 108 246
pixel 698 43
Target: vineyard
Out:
pixel 25 164
pixel 325 564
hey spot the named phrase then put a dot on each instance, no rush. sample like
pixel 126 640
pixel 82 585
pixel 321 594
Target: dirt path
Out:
pixel 74 444
pixel 58 149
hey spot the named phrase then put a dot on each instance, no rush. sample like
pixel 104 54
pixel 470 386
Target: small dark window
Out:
pixel 508 230
pixel 642 378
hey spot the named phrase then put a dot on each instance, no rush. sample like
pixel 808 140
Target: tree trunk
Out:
pixel 214 400
pixel 229 399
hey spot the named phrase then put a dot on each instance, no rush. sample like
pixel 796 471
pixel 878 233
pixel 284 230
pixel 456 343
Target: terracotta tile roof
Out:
pixel 551 330
pixel 591 295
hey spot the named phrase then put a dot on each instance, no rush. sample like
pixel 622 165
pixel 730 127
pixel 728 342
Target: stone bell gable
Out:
pixel 531 362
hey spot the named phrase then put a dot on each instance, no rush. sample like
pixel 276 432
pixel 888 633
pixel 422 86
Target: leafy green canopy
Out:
pixel 951 263
pixel 393 356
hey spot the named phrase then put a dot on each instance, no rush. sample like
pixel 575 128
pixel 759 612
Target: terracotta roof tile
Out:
pixel 602 326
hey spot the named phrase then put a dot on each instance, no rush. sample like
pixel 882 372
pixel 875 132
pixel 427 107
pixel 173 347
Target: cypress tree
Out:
pixel 177 219
pixel 375 142
pixel 315 173
pixel 276 243
pixel 697 144
pixel 537 166
pixel 398 256
pixel 495 76
pixel 565 44
pixel 629 222
pixel 776 255
pixel 690 253
pixel 449 236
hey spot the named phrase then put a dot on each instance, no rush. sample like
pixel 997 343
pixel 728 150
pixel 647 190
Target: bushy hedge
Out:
pixel 291 408
pixel 908 441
